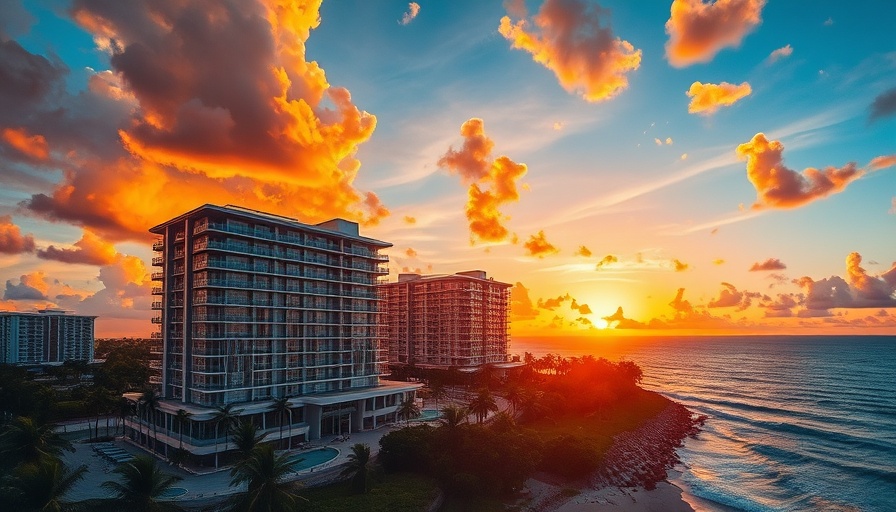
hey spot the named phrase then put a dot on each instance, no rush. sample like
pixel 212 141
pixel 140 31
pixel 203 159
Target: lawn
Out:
pixel 395 492
pixel 600 427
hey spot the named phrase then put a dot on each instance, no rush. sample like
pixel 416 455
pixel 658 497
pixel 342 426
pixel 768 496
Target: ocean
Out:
pixel 794 422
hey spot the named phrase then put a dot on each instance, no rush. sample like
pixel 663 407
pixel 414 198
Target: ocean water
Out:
pixel 794 422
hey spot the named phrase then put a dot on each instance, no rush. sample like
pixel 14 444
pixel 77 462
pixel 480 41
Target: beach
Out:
pixel 632 476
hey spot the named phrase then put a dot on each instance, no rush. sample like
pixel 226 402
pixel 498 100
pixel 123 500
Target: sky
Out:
pixel 632 168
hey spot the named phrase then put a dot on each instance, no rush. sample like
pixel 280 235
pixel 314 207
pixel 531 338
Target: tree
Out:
pixel 483 404
pixel 245 437
pixel 408 410
pixel 280 408
pixel 514 394
pixel 356 468
pixel 24 440
pixel 42 487
pixel 226 416
pixel 141 487
pixel 453 416
pixel 181 419
pixel 150 401
pixel 263 473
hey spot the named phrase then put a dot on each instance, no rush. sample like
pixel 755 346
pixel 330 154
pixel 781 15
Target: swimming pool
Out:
pixel 173 492
pixel 312 458
pixel 429 415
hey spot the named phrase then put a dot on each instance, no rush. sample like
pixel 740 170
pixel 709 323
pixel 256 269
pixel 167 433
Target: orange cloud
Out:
pixel 538 245
pixel 769 264
pixel 90 250
pixel 718 261
pixel 583 251
pixel 730 297
pixel 707 99
pixel 31 146
pixel 606 260
pixel 780 53
pixel 12 241
pixel 882 162
pixel 410 220
pixel 33 286
pixel 521 307
pixel 583 309
pixel 241 115
pixel 698 31
pixel 679 266
pixel 498 179
pixel 413 11
pixel 411 253
pixel 780 187
pixel 572 39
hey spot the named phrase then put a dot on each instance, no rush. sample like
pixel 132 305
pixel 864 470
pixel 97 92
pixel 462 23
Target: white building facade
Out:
pixel 256 307
pixel 45 336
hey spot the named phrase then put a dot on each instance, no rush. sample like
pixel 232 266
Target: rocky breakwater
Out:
pixel 640 457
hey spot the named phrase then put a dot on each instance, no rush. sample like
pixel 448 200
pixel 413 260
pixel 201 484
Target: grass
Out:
pixel 394 492
pixel 600 427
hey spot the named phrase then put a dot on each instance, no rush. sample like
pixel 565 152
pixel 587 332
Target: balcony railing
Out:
pixel 156 320
pixel 158 261
pixel 158 245
pixel 157 276
pixel 158 290
pixel 157 305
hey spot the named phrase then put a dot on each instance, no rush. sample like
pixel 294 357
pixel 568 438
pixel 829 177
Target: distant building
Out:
pixel 47 336
pixel 447 319
pixel 257 307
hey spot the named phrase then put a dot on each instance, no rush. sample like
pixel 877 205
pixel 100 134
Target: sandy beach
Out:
pixel 633 475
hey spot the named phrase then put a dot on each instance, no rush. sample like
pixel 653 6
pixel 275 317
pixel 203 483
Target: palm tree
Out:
pixel 150 400
pixel 245 437
pixel 141 487
pixel 514 394
pixel 482 404
pixel 263 473
pixel 280 408
pixel 408 410
pixel 453 416
pixel 357 467
pixel 42 486
pixel 24 440
pixel 180 419
pixel 224 414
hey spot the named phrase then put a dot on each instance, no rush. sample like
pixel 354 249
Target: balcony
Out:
pixel 156 320
pixel 157 276
pixel 158 290
pixel 157 305
pixel 155 335
pixel 158 245
pixel 158 261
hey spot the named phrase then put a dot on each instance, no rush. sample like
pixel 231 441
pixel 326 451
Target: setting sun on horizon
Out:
pixel 632 169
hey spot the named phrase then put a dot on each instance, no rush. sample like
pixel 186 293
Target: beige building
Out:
pixel 446 319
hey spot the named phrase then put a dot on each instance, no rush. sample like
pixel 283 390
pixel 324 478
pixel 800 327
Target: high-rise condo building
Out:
pixel 446 319
pixel 47 336
pixel 257 307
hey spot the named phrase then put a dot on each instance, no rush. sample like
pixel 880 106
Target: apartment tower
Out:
pixel 446 320
pixel 256 307
pixel 46 336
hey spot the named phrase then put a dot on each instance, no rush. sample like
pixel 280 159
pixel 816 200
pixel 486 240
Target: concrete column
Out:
pixel 312 418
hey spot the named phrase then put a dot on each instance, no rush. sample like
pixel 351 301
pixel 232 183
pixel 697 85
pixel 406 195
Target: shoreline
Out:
pixel 634 474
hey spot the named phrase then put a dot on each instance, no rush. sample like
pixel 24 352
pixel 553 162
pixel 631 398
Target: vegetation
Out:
pixel 225 418
pixel 245 437
pixel 357 468
pixel 408 410
pixel 40 486
pixel 141 487
pixel 280 408
pixel 392 492
pixel 263 473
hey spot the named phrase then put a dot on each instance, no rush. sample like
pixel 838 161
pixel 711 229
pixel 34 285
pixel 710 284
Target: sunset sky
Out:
pixel 634 168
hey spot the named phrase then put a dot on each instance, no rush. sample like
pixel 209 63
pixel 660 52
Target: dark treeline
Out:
pixel 494 458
